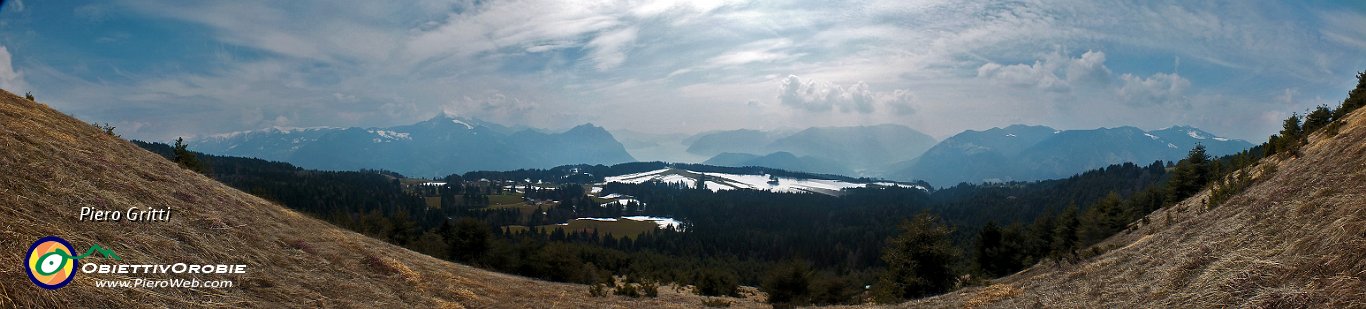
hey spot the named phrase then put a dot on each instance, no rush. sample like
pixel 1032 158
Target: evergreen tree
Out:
pixel 1065 241
pixel 998 252
pixel 918 260
pixel 185 158
pixel 469 239
pixel 1356 98
pixel 1318 118
pixel 788 283
pixel 1191 174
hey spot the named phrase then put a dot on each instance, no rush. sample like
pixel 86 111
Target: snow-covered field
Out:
pixel 662 222
pixel 723 181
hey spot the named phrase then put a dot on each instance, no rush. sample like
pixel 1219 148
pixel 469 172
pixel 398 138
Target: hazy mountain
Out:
pixel 863 149
pixel 664 147
pixel 437 147
pixel 780 160
pixel 858 151
pixel 735 141
pixel 1036 152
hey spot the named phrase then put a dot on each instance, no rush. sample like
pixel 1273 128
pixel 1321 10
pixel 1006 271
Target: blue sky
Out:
pixel 160 69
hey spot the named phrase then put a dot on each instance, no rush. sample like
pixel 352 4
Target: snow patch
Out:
pixel 1195 135
pixel 1150 135
pixel 1172 146
pixel 622 202
pixel 1010 135
pixel 662 222
pixel 467 126
pixel 724 181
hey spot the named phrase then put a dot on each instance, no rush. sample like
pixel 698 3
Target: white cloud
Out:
pixel 1055 72
pixel 497 107
pixel 11 79
pixel 1157 89
pixel 901 102
pixel 347 64
pixel 610 47
pixel 817 96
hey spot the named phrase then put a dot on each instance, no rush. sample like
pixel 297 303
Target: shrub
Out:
pixel 597 290
pixel 649 288
pixel 713 282
pixel 715 303
pixel 789 283
pixel 628 290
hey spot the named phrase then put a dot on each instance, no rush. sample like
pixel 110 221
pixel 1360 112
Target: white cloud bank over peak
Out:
pixel 819 96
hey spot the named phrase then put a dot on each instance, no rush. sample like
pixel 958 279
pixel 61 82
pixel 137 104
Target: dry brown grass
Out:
pixel 52 164
pixel 1295 239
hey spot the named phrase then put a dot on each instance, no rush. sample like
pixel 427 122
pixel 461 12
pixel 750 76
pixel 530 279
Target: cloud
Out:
pixel 496 107
pixel 11 79
pixel 1055 72
pixel 610 47
pixel 970 64
pixel 1157 89
pixel 901 102
pixel 815 96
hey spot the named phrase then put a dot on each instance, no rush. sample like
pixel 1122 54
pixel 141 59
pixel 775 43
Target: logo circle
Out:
pixel 51 262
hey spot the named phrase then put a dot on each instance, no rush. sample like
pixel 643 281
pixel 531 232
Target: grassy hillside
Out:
pixel 1294 239
pixel 51 165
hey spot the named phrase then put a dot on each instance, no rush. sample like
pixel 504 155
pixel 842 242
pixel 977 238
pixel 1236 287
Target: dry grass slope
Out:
pixel 52 164
pixel 1296 239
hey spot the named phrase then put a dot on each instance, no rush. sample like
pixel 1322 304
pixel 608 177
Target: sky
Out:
pixel 161 69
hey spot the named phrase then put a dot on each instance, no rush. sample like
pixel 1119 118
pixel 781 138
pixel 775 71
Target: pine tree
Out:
pixel 1318 118
pixel 1356 98
pixel 185 158
pixel 1190 175
pixel 918 260
pixel 469 239
pixel 1065 234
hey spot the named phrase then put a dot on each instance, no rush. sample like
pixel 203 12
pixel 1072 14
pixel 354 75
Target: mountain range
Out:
pixel 440 146
pixel 1021 152
pixel 852 151
pixel 447 144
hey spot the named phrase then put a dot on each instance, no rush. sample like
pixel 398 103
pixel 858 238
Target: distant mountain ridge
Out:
pixel 440 146
pixel 853 151
pixel 1021 152
pixel 780 160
